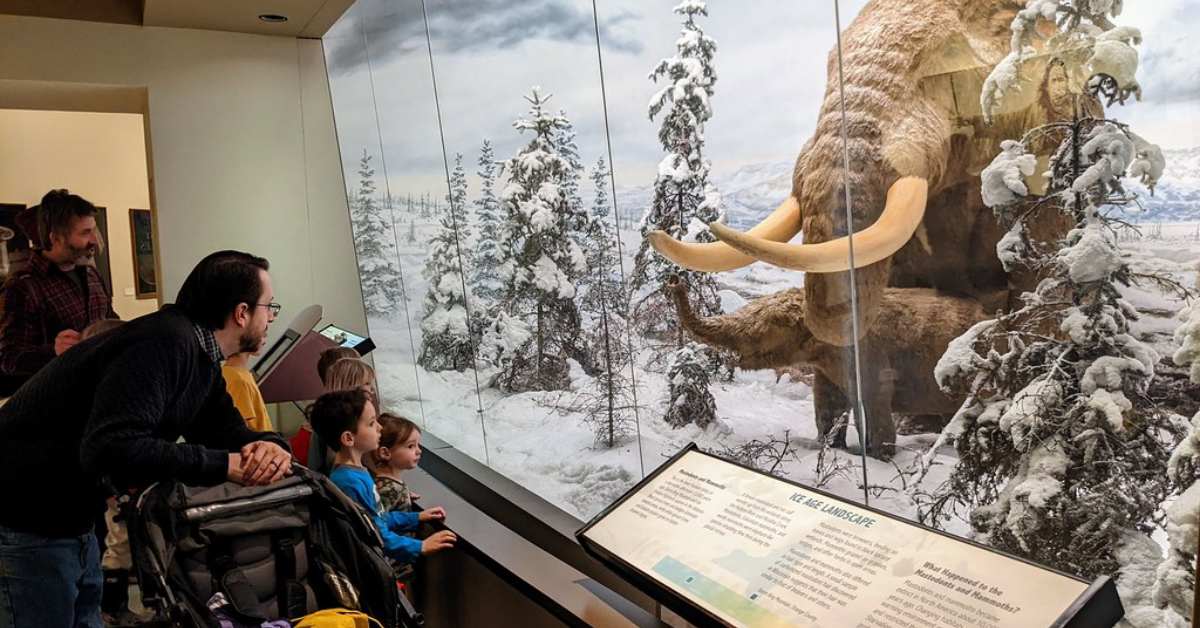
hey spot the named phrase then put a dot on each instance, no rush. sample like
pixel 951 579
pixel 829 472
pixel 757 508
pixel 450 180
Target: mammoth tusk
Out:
pixel 900 218
pixel 780 226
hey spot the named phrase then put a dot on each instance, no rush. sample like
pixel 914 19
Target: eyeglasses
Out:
pixel 274 307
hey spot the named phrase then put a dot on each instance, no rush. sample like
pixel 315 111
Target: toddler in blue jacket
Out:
pixel 346 420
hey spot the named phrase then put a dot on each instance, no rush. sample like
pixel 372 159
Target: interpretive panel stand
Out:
pixel 722 544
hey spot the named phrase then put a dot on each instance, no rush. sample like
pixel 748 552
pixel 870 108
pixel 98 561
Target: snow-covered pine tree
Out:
pixel 1171 599
pixel 373 243
pixel 684 200
pixel 1062 458
pixel 602 287
pixel 485 276
pixel 409 205
pixel 446 330
pixel 456 202
pixel 412 232
pixel 566 146
pixel 607 404
pixel 425 211
pixel 688 398
pixel 541 261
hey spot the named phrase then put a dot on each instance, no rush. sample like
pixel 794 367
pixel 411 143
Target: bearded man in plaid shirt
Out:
pixel 47 304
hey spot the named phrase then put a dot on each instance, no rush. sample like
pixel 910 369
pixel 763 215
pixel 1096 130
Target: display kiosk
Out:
pixel 287 370
pixel 725 545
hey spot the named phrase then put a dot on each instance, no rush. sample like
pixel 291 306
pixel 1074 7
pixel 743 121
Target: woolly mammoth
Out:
pixel 913 72
pixel 915 327
pixel 909 147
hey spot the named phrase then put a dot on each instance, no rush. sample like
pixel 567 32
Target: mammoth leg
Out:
pixel 829 403
pixel 878 386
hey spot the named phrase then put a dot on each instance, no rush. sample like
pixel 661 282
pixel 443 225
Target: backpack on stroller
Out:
pixel 273 552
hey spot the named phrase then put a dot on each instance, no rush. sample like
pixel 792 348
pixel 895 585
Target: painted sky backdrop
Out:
pixel 770 62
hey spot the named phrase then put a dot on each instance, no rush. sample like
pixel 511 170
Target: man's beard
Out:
pixel 84 254
pixel 251 342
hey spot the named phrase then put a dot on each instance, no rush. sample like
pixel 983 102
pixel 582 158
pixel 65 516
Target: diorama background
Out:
pixel 771 64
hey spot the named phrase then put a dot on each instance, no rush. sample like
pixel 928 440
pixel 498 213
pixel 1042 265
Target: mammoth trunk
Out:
pixel 708 330
pixel 759 341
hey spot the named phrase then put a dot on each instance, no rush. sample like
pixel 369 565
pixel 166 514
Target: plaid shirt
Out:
pixel 208 342
pixel 39 302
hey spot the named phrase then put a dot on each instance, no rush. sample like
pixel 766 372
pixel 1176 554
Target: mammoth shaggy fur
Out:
pixel 914 328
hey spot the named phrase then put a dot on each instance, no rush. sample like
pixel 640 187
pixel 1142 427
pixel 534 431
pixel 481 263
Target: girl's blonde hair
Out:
pixel 395 430
pixel 348 374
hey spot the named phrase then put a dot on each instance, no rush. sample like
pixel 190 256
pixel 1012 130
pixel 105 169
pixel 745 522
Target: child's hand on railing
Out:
pixel 437 513
pixel 437 542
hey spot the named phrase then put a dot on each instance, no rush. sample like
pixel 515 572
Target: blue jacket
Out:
pixel 359 486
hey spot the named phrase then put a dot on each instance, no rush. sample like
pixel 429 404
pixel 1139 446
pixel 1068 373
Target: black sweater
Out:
pixel 112 408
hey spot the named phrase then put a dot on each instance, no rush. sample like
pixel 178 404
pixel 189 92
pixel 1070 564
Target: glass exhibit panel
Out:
pixel 385 131
pixel 522 111
pixel 734 99
pixel 1027 330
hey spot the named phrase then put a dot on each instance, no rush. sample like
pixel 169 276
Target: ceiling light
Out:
pixel 273 18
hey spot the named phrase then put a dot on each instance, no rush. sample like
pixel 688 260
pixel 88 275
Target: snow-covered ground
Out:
pixel 552 453
pixel 1170 249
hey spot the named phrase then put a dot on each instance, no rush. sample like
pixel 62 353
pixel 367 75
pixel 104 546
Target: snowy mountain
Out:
pixel 748 194
pixel 754 190
pixel 1177 196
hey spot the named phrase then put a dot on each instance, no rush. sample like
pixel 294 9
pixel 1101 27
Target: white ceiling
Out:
pixel 306 18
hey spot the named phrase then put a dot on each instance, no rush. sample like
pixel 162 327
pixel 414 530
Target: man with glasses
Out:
pixel 109 414
pixel 239 381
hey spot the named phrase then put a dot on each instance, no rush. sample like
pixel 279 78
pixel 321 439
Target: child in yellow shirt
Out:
pixel 239 381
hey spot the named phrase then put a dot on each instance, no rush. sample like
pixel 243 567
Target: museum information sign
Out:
pixel 738 547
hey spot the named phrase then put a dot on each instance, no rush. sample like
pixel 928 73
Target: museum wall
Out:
pixel 609 391
pixel 43 150
pixel 241 142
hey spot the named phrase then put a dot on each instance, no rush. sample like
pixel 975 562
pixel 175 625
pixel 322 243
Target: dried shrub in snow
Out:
pixel 688 398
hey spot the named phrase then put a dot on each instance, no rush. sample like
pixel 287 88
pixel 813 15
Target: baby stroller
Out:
pixel 273 552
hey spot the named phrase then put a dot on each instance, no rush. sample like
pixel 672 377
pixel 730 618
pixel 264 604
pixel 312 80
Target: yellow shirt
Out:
pixel 240 384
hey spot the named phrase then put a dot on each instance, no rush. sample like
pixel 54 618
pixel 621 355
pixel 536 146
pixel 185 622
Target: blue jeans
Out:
pixel 49 582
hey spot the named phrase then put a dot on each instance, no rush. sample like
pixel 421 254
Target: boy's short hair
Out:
pixel 336 413
pixel 331 355
pixel 100 326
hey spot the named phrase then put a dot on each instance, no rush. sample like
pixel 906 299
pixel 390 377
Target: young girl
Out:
pixel 343 374
pixel 399 450
pixel 349 374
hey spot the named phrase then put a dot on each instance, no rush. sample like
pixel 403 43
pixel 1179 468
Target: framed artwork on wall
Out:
pixel 103 263
pixel 15 244
pixel 141 235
